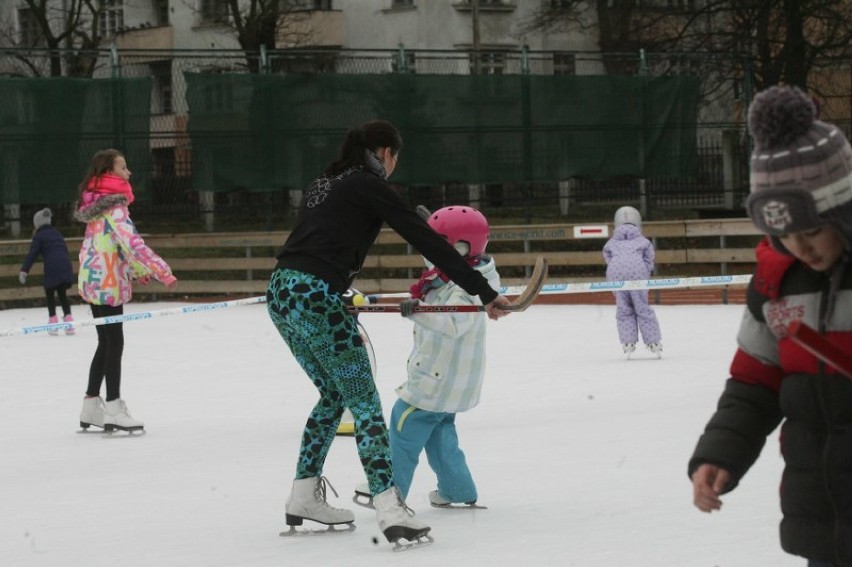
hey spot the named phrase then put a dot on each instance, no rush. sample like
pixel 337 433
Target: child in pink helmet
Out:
pixel 446 367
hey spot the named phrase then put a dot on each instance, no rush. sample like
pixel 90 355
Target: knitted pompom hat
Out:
pixel 801 168
pixel 42 218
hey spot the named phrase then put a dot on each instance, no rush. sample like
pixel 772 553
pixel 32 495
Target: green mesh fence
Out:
pixel 50 128
pixel 262 133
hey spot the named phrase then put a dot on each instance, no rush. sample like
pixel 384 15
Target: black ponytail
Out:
pixel 369 136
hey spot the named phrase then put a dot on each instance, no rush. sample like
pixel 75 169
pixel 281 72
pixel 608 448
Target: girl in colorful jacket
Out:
pixel 112 255
pixel 801 198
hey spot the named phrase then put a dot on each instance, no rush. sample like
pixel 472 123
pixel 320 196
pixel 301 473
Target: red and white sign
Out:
pixel 591 231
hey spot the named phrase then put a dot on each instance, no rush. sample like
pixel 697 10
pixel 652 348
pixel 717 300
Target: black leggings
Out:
pixel 107 360
pixel 63 300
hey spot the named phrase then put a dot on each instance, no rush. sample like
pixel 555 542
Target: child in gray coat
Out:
pixel 630 256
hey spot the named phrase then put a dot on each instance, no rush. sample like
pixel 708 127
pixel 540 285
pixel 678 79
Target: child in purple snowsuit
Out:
pixel 630 256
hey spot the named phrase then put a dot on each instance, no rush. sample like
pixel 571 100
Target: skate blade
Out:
pixel 331 529
pixel 121 433
pixel 95 430
pixel 471 506
pixel 407 545
pixel 363 500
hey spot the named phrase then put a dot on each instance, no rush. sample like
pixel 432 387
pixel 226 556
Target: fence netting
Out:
pixel 262 132
pixel 51 127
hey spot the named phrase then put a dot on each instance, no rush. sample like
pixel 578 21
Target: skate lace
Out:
pixel 402 503
pixel 321 490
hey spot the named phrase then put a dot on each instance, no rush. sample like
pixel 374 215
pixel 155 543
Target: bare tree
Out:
pixel 266 24
pixel 785 39
pixel 69 31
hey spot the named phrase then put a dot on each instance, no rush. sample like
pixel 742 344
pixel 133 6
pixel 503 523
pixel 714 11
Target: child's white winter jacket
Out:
pixel 446 367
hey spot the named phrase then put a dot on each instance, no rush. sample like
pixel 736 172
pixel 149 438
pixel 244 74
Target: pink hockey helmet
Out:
pixel 464 227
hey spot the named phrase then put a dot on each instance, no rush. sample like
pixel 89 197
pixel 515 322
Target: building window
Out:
pixel 407 65
pixel 490 63
pixel 316 5
pixel 161 12
pixel 213 11
pixel 486 5
pixel 161 72
pixel 402 3
pixel 305 64
pixel 564 64
pixel 110 17
pixel 685 66
pixel 29 33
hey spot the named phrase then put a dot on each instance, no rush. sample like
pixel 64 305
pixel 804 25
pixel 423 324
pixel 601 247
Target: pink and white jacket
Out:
pixel 113 253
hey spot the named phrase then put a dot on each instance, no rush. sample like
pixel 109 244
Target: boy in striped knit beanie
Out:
pixel 801 198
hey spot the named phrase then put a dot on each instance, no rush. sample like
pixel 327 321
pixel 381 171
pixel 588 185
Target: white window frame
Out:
pixel 110 17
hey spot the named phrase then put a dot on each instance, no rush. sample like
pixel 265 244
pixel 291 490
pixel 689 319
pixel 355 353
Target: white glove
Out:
pixel 22 277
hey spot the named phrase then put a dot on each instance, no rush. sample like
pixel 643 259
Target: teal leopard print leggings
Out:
pixel 324 338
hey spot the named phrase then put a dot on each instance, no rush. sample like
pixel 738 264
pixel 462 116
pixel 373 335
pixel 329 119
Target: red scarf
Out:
pixel 430 279
pixel 108 184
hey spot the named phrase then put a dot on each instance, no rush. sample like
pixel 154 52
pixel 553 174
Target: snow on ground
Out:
pixel 579 454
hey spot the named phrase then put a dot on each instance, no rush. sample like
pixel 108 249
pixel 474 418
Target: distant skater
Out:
pixel 49 243
pixel 112 255
pixel 630 256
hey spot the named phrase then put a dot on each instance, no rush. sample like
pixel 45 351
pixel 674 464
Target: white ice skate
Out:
pixel 93 412
pixel 307 501
pixel 396 521
pixel 628 348
pixel 116 417
pixel 438 501
pixel 656 348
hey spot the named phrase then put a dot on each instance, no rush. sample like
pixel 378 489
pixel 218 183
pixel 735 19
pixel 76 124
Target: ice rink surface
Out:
pixel 579 454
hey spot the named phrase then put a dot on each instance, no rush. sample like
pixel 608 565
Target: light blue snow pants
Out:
pixel 633 314
pixel 411 431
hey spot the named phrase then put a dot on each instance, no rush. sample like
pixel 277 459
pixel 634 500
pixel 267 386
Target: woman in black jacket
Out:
pixel 339 219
